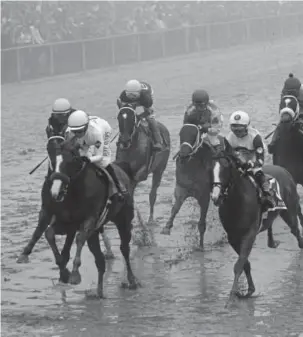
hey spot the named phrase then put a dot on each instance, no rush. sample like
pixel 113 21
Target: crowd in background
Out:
pixel 39 22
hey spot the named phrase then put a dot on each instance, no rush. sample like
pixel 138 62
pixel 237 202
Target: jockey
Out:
pixel 93 135
pixel 57 122
pixel 141 94
pixel 243 136
pixel 203 113
pixel 291 103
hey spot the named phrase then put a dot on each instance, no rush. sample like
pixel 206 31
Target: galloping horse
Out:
pixel 53 146
pixel 241 213
pixel 193 175
pixel 288 149
pixel 135 147
pixel 79 197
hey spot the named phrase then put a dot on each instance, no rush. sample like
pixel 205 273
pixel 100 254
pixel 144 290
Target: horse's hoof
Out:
pixel 64 276
pixel 241 295
pixel 94 294
pixel 23 259
pixel 134 284
pixel 109 256
pixel 151 222
pixel 75 278
pixel 273 244
pixel 165 231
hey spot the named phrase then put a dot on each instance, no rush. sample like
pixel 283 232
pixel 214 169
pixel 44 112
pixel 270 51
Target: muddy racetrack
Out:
pixel 183 291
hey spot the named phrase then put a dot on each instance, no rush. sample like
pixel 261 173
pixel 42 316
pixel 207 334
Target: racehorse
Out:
pixel 193 176
pixel 135 146
pixel 43 220
pixel 241 213
pixel 288 150
pixel 82 198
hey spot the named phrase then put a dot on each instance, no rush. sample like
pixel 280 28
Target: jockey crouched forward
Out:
pixel 57 122
pixel 204 113
pixel 291 104
pixel 138 94
pixel 93 135
pixel 245 137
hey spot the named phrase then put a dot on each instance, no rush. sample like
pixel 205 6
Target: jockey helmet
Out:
pixel 78 121
pixel 292 86
pixel 200 97
pixel 61 106
pixel 238 122
pixel 133 89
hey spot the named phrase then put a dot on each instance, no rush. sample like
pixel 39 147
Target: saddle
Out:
pixel 274 189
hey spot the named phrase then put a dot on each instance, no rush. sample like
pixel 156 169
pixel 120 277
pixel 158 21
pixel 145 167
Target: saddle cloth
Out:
pixel 274 188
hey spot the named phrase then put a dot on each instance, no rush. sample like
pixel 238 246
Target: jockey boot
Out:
pixel 271 146
pixel 122 191
pixel 264 185
pixel 155 133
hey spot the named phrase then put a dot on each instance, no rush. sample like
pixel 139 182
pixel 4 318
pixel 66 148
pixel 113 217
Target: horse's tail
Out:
pixel 125 166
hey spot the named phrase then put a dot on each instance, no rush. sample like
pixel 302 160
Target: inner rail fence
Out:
pixel 38 61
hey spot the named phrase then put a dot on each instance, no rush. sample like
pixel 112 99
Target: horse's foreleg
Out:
pixel 291 220
pixel 180 196
pixel 50 236
pixel 65 256
pixel 109 253
pixel 84 233
pixel 204 204
pixel 43 221
pixel 94 246
pixel 156 181
pixel 251 287
pixel 300 215
pixel 125 237
pixel 268 223
pixel 243 247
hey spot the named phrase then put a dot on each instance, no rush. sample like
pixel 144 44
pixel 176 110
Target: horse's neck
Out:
pixel 239 184
pixel 291 142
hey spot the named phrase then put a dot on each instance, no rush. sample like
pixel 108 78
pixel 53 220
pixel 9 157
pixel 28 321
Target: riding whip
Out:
pixel 36 167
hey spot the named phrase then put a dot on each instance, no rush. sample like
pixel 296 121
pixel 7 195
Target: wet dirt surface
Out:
pixel 183 291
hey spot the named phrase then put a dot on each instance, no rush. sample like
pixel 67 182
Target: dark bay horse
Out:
pixel 240 211
pixel 193 176
pixel 54 156
pixel 80 198
pixel 135 147
pixel 288 149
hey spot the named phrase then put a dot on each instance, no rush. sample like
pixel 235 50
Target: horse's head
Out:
pixel 54 151
pixel 290 108
pixel 224 166
pixel 127 120
pixel 69 164
pixel 189 141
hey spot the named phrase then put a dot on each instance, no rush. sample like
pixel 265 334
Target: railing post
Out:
pixel 19 75
pixel 163 43
pixel 112 40
pixel 83 50
pixel 208 42
pixel 186 39
pixel 51 56
pixel 139 57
